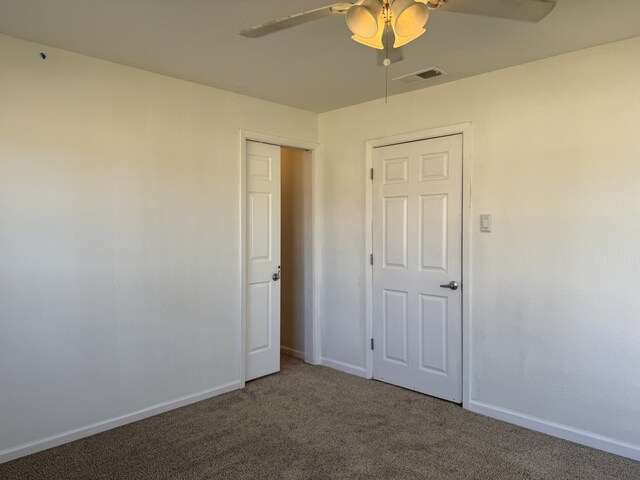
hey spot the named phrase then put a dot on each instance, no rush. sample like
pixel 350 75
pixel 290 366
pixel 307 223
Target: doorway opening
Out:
pixel 295 211
pixel 279 258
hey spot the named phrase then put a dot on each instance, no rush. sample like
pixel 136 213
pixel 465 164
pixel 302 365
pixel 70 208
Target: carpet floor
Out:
pixel 312 422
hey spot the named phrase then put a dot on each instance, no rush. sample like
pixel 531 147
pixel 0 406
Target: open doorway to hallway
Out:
pixel 279 255
pixel 295 190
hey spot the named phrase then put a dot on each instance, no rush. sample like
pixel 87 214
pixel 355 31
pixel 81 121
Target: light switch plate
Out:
pixel 485 223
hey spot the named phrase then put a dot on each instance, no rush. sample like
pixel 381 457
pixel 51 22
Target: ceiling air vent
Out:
pixel 422 76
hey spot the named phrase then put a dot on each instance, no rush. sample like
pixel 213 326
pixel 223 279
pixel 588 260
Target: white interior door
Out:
pixel 263 245
pixel 417 240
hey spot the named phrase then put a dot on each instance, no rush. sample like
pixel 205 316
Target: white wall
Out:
pixel 119 241
pixel 555 308
pixel 119 238
pixel 294 215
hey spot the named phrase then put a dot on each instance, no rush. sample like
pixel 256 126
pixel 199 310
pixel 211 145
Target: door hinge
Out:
pixel 371 259
pixel 372 174
pixel 372 344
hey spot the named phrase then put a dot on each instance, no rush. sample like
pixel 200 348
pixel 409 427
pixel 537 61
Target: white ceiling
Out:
pixel 315 66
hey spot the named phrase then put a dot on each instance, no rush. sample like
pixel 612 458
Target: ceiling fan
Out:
pixel 372 21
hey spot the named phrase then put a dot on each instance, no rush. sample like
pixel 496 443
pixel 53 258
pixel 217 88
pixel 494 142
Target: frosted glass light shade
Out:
pixel 363 18
pixel 400 41
pixel 408 17
pixel 376 40
pixel 367 20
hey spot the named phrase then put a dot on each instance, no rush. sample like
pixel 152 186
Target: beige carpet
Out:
pixel 313 422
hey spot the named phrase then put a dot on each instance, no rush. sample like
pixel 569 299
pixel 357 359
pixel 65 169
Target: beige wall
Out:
pixel 119 241
pixel 294 218
pixel 555 309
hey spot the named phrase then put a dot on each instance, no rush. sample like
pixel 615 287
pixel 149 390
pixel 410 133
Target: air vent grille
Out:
pixel 432 73
pixel 421 76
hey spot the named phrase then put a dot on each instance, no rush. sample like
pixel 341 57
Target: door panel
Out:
pixel 259 325
pixel 263 233
pixel 395 229
pixel 395 326
pixel 395 170
pixel 433 331
pixel 417 235
pixel 260 226
pixel 433 232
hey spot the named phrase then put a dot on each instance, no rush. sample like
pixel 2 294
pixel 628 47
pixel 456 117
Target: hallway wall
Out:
pixel 294 170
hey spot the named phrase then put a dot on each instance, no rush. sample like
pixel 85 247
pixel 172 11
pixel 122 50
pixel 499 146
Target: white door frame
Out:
pixel 465 130
pixel 312 275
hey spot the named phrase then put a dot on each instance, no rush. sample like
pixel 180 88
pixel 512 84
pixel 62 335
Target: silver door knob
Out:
pixel 452 285
pixel 276 276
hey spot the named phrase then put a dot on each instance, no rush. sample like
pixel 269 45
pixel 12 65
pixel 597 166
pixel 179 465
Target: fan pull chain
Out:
pixel 386 64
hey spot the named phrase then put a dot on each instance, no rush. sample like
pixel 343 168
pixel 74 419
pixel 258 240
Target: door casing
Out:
pixel 465 130
pixel 312 274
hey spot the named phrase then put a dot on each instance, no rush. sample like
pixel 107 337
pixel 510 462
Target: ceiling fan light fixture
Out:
pixel 376 40
pixel 400 41
pixel 408 18
pixel 363 18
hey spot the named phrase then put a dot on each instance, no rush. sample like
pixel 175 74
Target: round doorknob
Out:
pixel 276 276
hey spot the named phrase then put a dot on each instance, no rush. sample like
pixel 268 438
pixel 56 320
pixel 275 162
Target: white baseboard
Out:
pixel 344 367
pixel 292 351
pixel 78 433
pixel 559 430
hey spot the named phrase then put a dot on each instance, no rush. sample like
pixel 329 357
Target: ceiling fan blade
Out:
pixel 297 19
pixel 524 10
